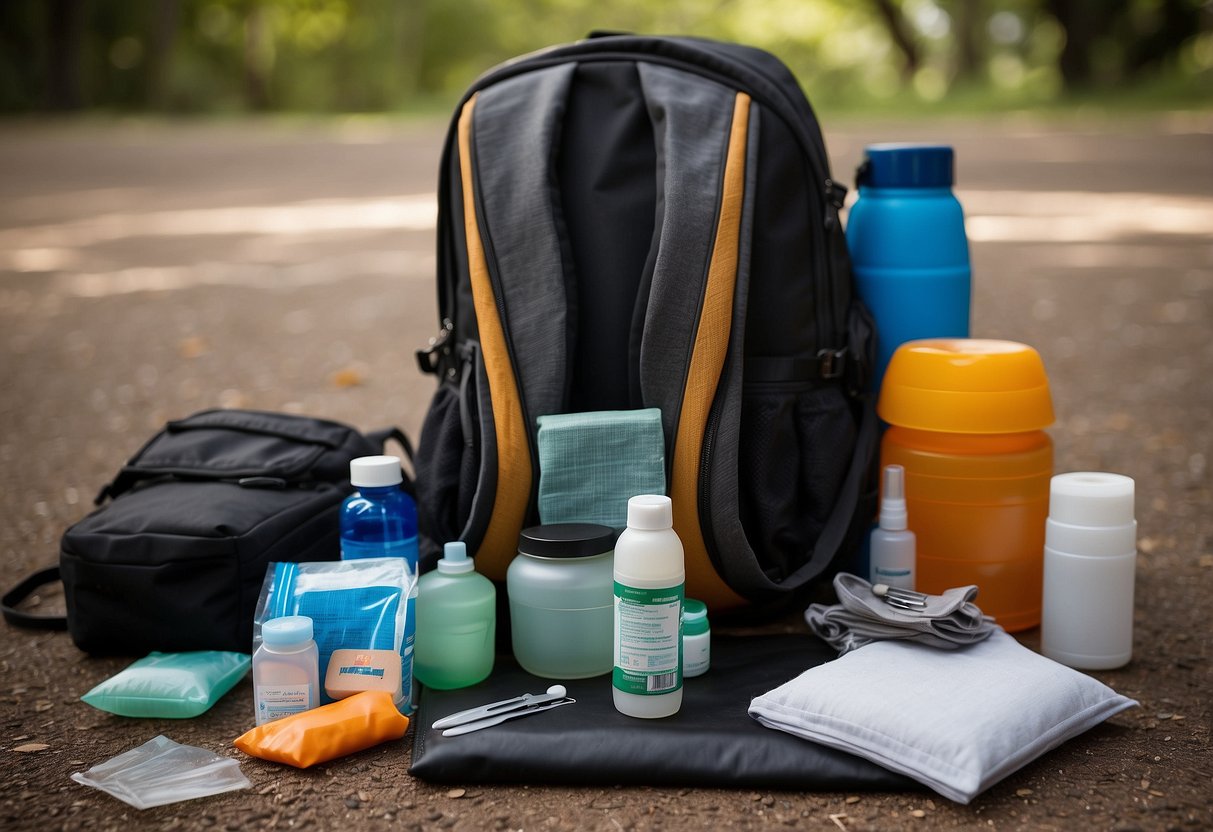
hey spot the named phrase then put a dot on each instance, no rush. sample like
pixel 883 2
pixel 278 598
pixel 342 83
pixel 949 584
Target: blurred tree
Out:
pixel 901 35
pixel 65 22
pixel 374 55
pixel 1109 40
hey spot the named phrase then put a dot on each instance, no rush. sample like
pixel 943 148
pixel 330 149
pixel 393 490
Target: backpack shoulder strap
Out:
pixel 507 135
pixel 23 590
pixel 705 133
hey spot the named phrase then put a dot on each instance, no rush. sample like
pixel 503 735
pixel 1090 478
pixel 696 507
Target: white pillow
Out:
pixel 957 720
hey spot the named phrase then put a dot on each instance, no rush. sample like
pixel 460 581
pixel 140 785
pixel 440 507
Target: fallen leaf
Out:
pixel 233 399
pixel 43 705
pixel 348 377
pixel 192 347
pixel 31 746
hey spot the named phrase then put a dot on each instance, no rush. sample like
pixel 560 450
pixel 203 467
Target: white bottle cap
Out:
pixel 650 512
pixel 287 631
pixel 1090 498
pixel 375 471
pixel 455 559
pixel 893 500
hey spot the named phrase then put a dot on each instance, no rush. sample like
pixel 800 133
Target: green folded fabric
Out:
pixel 590 464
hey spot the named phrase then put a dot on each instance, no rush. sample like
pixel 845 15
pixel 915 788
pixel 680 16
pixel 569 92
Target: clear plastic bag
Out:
pixel 364 605
pixel 170 685
pixel 162 771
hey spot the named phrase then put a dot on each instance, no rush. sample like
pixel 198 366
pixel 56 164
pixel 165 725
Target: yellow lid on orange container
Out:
pixel 966 385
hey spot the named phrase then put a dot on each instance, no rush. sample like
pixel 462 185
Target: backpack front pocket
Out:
pixel 796 443
pixel 450 460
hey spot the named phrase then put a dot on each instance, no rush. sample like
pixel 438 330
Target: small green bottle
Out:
pixel 456 623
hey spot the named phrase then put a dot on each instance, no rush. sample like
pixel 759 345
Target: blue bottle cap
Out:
pixel 906 166
pixel 287 631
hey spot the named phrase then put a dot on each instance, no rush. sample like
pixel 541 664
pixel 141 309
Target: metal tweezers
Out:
pixel 905 599
pixel 495 713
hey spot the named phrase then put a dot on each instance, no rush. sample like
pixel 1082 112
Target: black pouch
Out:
pixel 174 558
pixel 712 742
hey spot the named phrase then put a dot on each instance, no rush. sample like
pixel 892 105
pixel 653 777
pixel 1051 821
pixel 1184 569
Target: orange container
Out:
pixel 967 419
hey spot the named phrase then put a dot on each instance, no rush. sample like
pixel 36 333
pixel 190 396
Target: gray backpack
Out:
pixel 632 222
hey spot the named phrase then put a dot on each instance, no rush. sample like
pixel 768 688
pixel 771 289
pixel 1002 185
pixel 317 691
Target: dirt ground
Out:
pixel 148 271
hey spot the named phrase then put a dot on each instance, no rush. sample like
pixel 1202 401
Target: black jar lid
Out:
pixel 566 540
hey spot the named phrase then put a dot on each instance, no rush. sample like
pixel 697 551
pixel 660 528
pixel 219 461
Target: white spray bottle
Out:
pixel 893 547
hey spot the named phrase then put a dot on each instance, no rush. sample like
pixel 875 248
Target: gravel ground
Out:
pixel 149 270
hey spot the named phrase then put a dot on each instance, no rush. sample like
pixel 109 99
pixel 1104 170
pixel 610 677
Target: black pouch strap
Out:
pixel 829 543
pixel 25 589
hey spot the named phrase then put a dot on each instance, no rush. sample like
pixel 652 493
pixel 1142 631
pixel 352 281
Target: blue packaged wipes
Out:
pixel 362 621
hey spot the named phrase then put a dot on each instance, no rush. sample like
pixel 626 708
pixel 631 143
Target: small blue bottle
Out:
pixel 378 520
pixel 908 247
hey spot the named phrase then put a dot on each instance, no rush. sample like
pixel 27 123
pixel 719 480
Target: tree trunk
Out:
pixel 256 63
pixel 65 53
pixel 901 36
pixel 969 17
pixel 160 58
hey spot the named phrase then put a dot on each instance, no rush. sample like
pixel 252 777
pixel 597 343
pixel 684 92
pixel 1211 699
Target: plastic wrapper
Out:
pixel 328 732
pixel 162 771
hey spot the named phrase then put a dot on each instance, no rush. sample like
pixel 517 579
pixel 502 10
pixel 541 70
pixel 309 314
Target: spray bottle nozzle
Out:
pixel 893 499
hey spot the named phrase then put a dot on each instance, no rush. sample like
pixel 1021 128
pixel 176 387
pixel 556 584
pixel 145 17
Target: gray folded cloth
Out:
pixel 947 621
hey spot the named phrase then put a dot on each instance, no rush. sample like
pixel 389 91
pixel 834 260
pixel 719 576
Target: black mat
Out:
pixel 711 742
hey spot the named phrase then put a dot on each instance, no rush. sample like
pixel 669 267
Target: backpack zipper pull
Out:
pixel 836 197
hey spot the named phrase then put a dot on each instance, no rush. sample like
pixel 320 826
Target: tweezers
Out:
pixel 905 599
pixel 485 716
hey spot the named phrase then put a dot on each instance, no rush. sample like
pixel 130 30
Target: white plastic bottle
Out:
pixel 649 585
pixel 286 669
pixel 1089 570
pixel 892 550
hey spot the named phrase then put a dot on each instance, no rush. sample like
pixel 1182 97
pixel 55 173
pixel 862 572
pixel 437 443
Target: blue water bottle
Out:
pixel 908 248
pixel 380 521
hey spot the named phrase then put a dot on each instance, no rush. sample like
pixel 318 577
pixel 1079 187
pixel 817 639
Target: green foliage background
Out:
pixel 193 56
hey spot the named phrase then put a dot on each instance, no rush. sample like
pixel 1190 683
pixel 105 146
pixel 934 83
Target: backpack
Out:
pixel 632 222
pixel 176 553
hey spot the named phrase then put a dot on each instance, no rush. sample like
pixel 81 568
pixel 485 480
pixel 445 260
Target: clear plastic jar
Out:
pixel 561 591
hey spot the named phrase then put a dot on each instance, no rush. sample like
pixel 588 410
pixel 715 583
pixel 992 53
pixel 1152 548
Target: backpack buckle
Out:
pixel 430 357
pixel 831 363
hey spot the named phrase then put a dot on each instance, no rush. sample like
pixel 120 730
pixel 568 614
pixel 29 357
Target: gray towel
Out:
pixel 947 621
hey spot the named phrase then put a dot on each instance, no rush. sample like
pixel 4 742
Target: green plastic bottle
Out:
pixel 456 623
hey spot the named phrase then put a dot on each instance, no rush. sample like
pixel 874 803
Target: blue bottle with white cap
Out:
pixel 379 520
pixel 908 247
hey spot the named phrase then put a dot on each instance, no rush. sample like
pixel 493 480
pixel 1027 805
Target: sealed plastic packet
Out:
pixel 304 739
pixel 170 685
